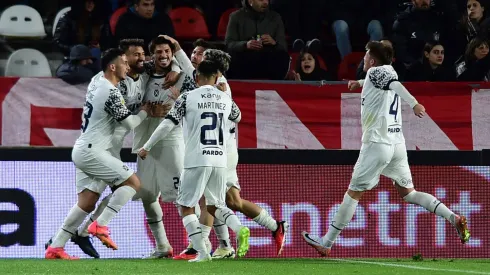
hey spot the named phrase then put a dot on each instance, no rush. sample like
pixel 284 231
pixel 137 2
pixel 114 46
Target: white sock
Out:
pixel 340 220
pixel 206 231
pixel 430 203
pixel 226 216
pixel 154 217
pixel 221 231
pixel 84 231
pixel 194 231
pixel 266 220
pixel 119 198
pixel 72 221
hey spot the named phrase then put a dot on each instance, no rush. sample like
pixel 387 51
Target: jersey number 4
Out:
pixel 215 120
pixel 394 107
pixel 87 113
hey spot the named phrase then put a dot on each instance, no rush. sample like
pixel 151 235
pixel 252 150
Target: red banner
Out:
pixel 46 112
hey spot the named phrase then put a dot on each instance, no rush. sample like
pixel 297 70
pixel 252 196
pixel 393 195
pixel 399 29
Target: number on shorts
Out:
pixel 394 106
pixel 176 182
pixel 87 113
pixel 212 127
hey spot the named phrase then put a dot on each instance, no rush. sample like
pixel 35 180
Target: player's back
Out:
pixel 206 113
pixel 381 117
pixel 100 114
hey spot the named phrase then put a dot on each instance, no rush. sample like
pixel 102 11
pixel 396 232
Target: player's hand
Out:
pixel 268 40
pixel 160 110
pixel 170 79
pixel 142 153
pixel 353 85
pixel 174 92
pixel 419 110
pixel 147 108
pixel 254 45
pixel 172 40
pixel 221 86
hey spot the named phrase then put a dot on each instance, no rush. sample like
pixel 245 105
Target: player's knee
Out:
pixel 134 182
pixel 233 204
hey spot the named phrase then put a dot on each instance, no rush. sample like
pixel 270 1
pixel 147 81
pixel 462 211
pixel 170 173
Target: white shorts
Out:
pixel 160 173
pixel 199 181
pixel 232 162
pixel 95 169
pixel 377 159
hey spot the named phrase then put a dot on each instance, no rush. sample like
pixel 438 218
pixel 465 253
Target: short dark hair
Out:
pixel 160 41
pixel 109 56
pixel 208 67
pixel 125 44
pixel 137 2
pixel 222 58
pixel 203 43
pixel 382 53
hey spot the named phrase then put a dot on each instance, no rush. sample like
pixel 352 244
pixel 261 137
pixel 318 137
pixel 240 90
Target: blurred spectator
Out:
pixel 256 41
pixel 80 68
pixel 302 19
pixel 355 15
pixel 420 23
pixel 398 66
pixel 430 67
pixel 84 24
pixel 475 22
pixel 307 67
pixel 475 64
pixel 144 22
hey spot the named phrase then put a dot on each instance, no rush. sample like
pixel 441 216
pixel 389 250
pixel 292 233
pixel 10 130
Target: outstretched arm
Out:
pixel 418 109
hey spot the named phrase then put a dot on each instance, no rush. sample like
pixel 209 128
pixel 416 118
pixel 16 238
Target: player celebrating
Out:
pixel 203 51
pixel 104 109
pixel 383 150
pixel 204 112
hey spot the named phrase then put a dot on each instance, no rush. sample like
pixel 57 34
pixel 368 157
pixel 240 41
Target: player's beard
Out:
pixel 136 69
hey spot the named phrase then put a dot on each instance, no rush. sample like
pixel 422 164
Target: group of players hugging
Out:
pixel 183 120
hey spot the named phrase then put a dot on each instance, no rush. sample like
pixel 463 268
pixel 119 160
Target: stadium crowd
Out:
pixel 309 40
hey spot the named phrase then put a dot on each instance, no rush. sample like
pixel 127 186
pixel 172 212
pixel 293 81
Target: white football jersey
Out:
pixel 104 108
pixel 381 116
pixel 204 112
pixel 133 91
pixel 154 93
pixel 231 125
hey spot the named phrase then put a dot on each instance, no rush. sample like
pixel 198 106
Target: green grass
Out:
pixel 247 266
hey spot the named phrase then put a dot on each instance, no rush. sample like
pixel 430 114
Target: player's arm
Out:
pixel 115 107
pixel 185 62
pixel 418 109
pixel 172 119
pixel 236 114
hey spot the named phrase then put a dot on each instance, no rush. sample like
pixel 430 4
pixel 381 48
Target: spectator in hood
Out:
pixel 81 67
pixel 83 24
pixel 430 67
pixel 420 23
pixel 256 40
pixel 144 22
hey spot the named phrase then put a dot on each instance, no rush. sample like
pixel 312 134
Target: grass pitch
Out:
pixel 247 266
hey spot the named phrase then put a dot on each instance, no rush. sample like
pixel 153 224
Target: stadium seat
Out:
pixel 115 18
pixel 189 24
pixel 223 23
pixel 27 63
pixel 58 16
pixel 348 66
pixel 295 55
pixel 21 21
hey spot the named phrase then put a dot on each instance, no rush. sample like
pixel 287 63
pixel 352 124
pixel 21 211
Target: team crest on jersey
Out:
pixel 126 168
pixel 123 88
pixel 156 93
pixel 139 96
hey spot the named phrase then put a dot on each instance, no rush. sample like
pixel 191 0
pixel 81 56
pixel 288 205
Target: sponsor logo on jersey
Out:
pixel 393 130
pixel 206 152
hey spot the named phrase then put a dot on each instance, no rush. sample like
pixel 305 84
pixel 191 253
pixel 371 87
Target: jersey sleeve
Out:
pixel 115 107
pixel 188 84
pixel 382 77
pixel 235 112
pixel 178 110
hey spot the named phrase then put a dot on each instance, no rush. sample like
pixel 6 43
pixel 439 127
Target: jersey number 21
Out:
pixel 215 120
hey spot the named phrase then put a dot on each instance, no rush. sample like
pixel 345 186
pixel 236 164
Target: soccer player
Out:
pixel 204 51
pixel 205 112
pixel 383 150
pixel 96 168
pixel 160 172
